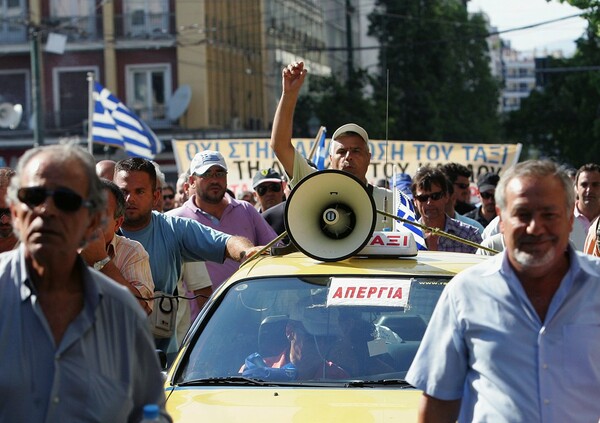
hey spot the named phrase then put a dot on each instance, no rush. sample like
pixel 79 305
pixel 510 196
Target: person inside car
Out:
pixel 310 330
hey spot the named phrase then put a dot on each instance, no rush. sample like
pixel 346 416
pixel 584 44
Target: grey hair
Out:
pixel 537 169
pixel 111 187
pixel 63 153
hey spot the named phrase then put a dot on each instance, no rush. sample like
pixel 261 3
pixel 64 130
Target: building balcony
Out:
pixel 13 30
pixel 145 26
pixel 76 28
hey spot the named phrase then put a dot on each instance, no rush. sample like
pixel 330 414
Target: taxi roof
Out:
pixel 426 263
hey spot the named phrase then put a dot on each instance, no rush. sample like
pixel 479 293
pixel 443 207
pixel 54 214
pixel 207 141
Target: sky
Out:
pixel 508 14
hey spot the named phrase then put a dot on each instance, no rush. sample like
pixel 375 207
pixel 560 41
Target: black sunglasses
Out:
pixel 486 195
pixel 168 196
pixel 423 198
pixel 462 186
pixel 262 189
pixel 64 199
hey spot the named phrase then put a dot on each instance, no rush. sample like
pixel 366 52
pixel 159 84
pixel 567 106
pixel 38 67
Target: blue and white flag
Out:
pixel 114 124
pixel 406 211
pixel 321 153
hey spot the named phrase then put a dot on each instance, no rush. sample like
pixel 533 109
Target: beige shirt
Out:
pixel 133 262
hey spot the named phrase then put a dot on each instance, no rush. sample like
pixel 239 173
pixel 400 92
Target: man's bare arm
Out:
pixel 240 249
pixel 292 78
pixel 433 410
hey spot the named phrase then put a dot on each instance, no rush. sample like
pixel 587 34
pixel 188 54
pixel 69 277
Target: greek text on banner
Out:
pixel 245 157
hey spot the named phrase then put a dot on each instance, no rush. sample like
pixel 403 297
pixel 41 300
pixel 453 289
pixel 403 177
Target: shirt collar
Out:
pixel 91 291
pixel 500 263
pixel 112 246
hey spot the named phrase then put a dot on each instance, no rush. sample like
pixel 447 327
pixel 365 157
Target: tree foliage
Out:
pixel 334 103
pixel 562 120
pixel 440 84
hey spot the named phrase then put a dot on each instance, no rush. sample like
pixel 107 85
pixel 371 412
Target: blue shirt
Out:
pixel 170 241
pixel 238 218
pixel 104 369
pixel 486 344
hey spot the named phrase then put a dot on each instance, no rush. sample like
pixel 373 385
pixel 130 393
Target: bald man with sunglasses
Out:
pixel 430 193
pixel 77 346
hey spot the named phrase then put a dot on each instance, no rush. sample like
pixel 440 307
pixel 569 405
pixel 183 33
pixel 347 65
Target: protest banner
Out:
pixel 245 157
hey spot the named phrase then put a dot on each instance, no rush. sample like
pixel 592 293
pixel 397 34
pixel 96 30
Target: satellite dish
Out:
pixel 10 115
pixel 179 102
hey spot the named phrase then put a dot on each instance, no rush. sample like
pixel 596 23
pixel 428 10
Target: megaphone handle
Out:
pixel 437 231
pixel 265 248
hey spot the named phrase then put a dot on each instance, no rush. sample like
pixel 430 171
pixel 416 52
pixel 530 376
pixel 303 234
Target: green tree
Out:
pixel 440 84
pixel 562 120
pixel 334 102
pixel 441 87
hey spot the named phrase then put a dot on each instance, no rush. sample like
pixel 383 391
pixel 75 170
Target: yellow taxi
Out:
pixel 311 336
pixel 358 328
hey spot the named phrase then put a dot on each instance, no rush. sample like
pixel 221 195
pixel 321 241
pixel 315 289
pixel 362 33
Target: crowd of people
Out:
pixel 511 332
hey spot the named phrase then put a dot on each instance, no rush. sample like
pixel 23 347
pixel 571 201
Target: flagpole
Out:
pixel 317 139
pixel 90 79
pixel 394 193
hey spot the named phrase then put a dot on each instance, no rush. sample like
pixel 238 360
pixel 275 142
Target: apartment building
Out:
pixel 229 53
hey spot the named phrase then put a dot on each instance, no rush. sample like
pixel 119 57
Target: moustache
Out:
pixel 535 239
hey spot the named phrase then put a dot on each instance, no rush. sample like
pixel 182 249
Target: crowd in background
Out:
pixel 62 215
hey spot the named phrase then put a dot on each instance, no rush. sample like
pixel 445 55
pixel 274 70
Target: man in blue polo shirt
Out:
pixel 170 241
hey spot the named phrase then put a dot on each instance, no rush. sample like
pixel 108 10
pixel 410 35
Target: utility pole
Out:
pixel 36 91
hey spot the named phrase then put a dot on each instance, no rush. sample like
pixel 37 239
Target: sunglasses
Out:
pixel 217 174
pixel 461 186
pixel 168 197
pixel 262 189
pixel 423 198
pixel 486 195
pixel 64 199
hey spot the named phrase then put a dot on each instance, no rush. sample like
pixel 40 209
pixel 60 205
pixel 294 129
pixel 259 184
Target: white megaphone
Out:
pixel 10 115
pixel 330 215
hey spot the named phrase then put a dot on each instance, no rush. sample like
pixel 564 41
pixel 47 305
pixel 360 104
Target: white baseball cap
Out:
pixel 205 160
pixel 351 127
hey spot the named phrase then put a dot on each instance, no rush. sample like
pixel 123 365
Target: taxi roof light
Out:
pixel 400 243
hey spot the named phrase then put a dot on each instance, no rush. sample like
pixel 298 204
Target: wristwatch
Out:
pixel 99 265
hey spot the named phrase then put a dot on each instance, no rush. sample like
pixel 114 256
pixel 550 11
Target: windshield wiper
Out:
pixel 226 380
pixel 400 383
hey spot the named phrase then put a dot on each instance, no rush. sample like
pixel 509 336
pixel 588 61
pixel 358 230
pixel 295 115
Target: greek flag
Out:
pixel 406 211
pixel 114 124
pixel 321 151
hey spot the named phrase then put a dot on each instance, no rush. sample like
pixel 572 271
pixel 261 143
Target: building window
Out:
pixel 15 90
pixel 146 18
pixel 74 18
pixel 70 105
pixel 12 21
pixel 148 88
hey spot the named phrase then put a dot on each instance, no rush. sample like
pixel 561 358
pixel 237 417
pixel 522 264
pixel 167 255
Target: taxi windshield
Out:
pixel 294 330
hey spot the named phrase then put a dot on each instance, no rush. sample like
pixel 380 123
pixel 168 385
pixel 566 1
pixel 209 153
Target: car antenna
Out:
pixel 386 227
